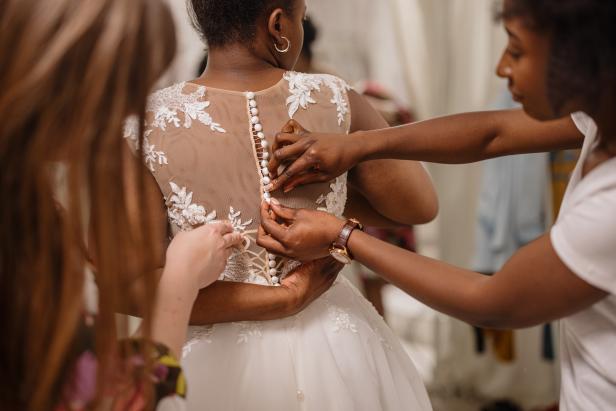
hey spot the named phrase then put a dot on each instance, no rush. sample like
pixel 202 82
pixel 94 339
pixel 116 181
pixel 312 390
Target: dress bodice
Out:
pixel 208 149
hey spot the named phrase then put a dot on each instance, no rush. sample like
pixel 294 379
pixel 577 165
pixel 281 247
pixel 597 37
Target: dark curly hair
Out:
pixel 223 22
pixel 310 36
pixel 582 62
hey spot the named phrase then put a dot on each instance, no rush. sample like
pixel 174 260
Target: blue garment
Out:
pixel 511 213
pixel 512 205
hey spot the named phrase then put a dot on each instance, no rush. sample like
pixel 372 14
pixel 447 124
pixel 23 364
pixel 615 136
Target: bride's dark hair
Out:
pixel 222 22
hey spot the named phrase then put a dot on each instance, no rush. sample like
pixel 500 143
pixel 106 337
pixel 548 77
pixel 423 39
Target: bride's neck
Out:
pixel 236 67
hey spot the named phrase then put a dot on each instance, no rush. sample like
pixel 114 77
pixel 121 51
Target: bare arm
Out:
pixel 470 137
pixel 415 200
pixel 455 139
pixel 227 302
pixel 534 287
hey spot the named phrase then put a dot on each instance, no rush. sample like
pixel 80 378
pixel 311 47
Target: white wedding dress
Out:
pixel 206 149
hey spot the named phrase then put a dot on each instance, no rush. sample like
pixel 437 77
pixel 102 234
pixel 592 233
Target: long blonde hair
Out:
pixel 71 71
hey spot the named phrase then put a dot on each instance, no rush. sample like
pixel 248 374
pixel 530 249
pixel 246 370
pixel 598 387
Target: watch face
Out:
pixel 340 256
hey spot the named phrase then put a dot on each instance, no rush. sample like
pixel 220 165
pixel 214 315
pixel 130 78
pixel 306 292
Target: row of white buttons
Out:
pixel 265 174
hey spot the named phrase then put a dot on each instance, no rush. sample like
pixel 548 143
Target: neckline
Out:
pixel 242 93
pixel 594 143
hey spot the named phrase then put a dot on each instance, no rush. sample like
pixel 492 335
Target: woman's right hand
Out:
pixel 195 260
pixel 198 257
pixel 311 157
pixel 300 234
pixel 308 282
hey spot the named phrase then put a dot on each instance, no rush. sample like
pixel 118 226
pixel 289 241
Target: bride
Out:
pixel 207 143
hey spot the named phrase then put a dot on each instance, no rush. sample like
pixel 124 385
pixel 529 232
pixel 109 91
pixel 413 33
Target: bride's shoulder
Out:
pixel 306 89
pixel 175 96
pixel 298 80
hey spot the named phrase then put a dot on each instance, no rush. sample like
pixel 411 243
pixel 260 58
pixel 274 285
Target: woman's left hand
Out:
pixel 301 234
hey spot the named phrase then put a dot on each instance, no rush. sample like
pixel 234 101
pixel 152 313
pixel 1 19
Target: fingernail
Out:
pixel 288 190
pixel 269 187
pixel 274 201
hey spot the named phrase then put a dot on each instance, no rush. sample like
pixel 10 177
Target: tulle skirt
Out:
pixel 338 354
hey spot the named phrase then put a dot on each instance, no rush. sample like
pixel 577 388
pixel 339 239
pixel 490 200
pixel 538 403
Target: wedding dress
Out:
pixel 208 150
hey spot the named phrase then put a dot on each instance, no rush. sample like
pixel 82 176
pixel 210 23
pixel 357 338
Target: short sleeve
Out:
pixel 585 238
pixel 584 123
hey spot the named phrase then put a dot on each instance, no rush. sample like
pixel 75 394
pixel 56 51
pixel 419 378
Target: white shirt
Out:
pixel 584 238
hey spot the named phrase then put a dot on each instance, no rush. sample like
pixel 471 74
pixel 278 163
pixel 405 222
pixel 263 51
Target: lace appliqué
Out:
pixel 198 335
pixel 131 130
pixel 166 106
pixel 183 213
pixel 301 86
pixel 150 155
pixel 341 319
pixel 335 200
pixel 248 330
pixel 167 103
pixel 378 333
pixel 244 265
pixel 236 220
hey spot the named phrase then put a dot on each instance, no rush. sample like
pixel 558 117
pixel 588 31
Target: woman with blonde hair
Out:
pixel 70 73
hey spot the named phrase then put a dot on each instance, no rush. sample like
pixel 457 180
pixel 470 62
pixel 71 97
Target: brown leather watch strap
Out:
pixel 345 233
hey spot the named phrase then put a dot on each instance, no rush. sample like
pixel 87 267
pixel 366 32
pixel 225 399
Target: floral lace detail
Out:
pixel 244 265
pixel 239 269
pixel 183 213
pixel 339 89
pixel 248 330
pixel 382 340
pixel 150 155
pixel 341 318
pixel 370 307
pixel 301 85
pixel 235 219
pixel 131 130
pixel 198 335
pixel 166 104
pixel 335 200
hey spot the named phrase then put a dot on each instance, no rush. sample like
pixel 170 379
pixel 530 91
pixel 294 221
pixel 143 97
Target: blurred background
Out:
pixel 416 59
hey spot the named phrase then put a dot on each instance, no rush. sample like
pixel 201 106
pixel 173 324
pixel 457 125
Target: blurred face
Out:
pixel 525 66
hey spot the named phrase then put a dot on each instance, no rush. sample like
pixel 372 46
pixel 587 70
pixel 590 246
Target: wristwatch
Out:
pixel 339 249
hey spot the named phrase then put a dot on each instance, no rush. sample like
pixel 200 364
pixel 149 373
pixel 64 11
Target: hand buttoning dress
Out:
pixel 208 150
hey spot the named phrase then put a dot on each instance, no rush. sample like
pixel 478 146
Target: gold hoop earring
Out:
pixel 279 50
